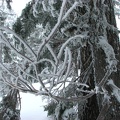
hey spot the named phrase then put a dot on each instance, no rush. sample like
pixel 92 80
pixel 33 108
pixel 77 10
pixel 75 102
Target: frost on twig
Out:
pixel 109 52
pixel 53 31
pixel 115 89
pixel 9 43
pixel 103 111
pixel 80 36
pixel 69 11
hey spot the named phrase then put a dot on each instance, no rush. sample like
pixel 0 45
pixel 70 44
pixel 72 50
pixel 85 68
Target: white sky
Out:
pixel 18 5
pixel 118 22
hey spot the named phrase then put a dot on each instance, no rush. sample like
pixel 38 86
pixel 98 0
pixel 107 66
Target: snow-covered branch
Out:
pixel 53 31
pixel 71 38
pixel 70 10
pixel 22 41
pixel 109 52
pixel 82 98
pixel 115 90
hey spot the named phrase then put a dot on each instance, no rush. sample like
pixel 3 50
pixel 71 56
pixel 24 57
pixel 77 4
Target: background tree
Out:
pixel 10 100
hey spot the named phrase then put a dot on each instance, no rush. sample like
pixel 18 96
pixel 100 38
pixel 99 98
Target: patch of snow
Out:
pixel 32 107
pixel 68 113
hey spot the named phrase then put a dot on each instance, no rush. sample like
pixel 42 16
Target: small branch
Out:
pixel 105 78
pixel 23 42
pixel 52 52
pixel 26 73
pixel 7 43
pixel 71 99
pixel 103 111
pixel 70 10
pixel 6 69
pixel 17 52
pixel 41 82
pixel 64 45
pixel 87 73
pixel 47 60
pixel 53 30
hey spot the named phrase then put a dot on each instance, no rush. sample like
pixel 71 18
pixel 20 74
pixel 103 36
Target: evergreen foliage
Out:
pixel 8 108
pixel 9 104
pixel 27 22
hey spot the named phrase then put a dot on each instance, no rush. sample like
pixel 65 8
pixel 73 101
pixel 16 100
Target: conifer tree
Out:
pixel 9 103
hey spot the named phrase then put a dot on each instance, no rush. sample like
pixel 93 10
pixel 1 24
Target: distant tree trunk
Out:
pixel 8 110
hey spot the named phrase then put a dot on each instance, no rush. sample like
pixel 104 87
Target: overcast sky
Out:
pixel 18 5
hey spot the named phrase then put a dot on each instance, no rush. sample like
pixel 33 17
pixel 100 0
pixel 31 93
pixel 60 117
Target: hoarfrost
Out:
pixel 115 90
pixel 69 113
pixel 70 10
pixel 109 52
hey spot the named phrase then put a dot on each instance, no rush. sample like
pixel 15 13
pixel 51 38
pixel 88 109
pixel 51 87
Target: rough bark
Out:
pixel 94 106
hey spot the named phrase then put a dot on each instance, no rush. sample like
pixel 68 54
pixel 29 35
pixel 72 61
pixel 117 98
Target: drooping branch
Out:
pixel 109 52
pixel 71 38
pixel 22 41
pixel 105 106
pixel 54 29
pixel 71 99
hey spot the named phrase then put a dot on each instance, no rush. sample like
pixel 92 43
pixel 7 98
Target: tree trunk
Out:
pixel 94 104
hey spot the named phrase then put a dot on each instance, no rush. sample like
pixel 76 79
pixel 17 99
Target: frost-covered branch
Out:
pixel 27 74
pixel 82 98
pixel 115 89
pixel 47 60
pixel 103 111
pixel 69 63
pixel 53 31
pixel 17 52
pixel 105 78
pixel 52 52
pixel 70 10
pixel 22 41
pixel 6 69
pixel 71 38
pixel 109 52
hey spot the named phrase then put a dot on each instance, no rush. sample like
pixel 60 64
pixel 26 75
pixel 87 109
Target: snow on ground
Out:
pixel 32 106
